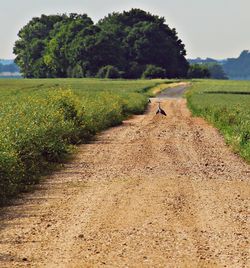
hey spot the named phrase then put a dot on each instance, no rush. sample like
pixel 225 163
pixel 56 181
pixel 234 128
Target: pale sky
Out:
pixel 209 28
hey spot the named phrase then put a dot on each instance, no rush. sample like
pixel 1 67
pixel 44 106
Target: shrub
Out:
pixel 34 132
pixel 135 71
pixel 153 71
pixel 37 128
pixel 109 71
pixel 77 72
pixel 198 71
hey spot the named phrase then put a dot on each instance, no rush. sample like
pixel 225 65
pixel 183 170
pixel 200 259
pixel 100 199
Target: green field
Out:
pixel 226 104
pixel 41 119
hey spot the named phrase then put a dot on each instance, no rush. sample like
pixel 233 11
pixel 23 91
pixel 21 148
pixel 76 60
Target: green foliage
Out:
pixel 40 119
pixel 31 45
pixel 109 71
pixel 146 39
pixel 54 46
pixel 216 71
pixel 198 71
pixel 153 72
pixel 206 69
pixel 77 72
pixel 226 104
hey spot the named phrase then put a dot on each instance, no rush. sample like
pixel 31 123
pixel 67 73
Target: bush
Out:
pixel 198 71
pixel 153 71
pixel 109 71
pixel 77 72
pixel 37 129
pixel 135 71
pixel 34 132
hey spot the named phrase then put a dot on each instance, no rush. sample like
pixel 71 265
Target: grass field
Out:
pixel 226 104
pixel 41 119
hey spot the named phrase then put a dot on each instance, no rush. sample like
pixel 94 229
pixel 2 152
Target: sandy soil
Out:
pixel 154 192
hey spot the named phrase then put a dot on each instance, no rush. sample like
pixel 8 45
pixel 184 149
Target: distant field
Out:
pixel 226 104
pixel 40 119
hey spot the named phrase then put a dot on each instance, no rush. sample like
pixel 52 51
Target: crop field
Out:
pixel 226 104
pixel 41 119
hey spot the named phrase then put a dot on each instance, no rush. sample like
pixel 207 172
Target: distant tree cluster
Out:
pixel 232 68
pixel 129 45
pixel 8 68
pixel 206 70
pixel 216 71
pixel 238 68
pixel 202 61
pixel 198 71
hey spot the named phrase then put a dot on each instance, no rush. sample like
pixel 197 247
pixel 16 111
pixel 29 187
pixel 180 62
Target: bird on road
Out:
pixel 160 110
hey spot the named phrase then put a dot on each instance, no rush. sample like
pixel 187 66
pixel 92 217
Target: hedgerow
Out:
pixel 39 126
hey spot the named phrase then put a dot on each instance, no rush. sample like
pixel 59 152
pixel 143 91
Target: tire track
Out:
pixel 153 192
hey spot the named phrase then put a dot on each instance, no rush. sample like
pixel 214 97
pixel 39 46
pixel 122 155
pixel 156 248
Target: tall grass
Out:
pixel 226 104
pixel 41 119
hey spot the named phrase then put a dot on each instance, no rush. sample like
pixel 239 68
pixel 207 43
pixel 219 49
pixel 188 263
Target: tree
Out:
pixel 146 39
pixel 216 71
pixel 198 71
pixel 66 45
pixel 31 44
pixel 58 54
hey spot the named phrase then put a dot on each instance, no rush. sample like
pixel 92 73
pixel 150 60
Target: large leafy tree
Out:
pixel 72 46
pixel 146 39
pixel 58 55
pixel 31 44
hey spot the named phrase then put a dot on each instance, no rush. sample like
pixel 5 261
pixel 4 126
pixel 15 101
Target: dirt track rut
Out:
pixel 154 192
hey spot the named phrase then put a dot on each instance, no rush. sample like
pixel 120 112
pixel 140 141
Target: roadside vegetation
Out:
pixel 42 119
pixel 226 104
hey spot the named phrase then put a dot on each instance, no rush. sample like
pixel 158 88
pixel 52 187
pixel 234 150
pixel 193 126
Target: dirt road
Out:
pixel 154 192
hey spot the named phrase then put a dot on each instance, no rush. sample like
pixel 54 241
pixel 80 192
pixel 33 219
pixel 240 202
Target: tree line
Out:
pixel 131 44
pixel 211 70
pixel 8 68
pixel 238 68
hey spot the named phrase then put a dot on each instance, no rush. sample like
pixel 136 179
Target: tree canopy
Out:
pixel 211 70
pixel 216 71
pixel 73 46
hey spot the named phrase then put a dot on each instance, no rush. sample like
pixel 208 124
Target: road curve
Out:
pixel 154 192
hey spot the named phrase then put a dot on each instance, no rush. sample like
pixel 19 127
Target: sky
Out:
pixel 209 28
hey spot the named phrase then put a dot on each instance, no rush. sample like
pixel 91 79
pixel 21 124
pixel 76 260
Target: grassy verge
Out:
pixel 226 104
pixel 41 119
